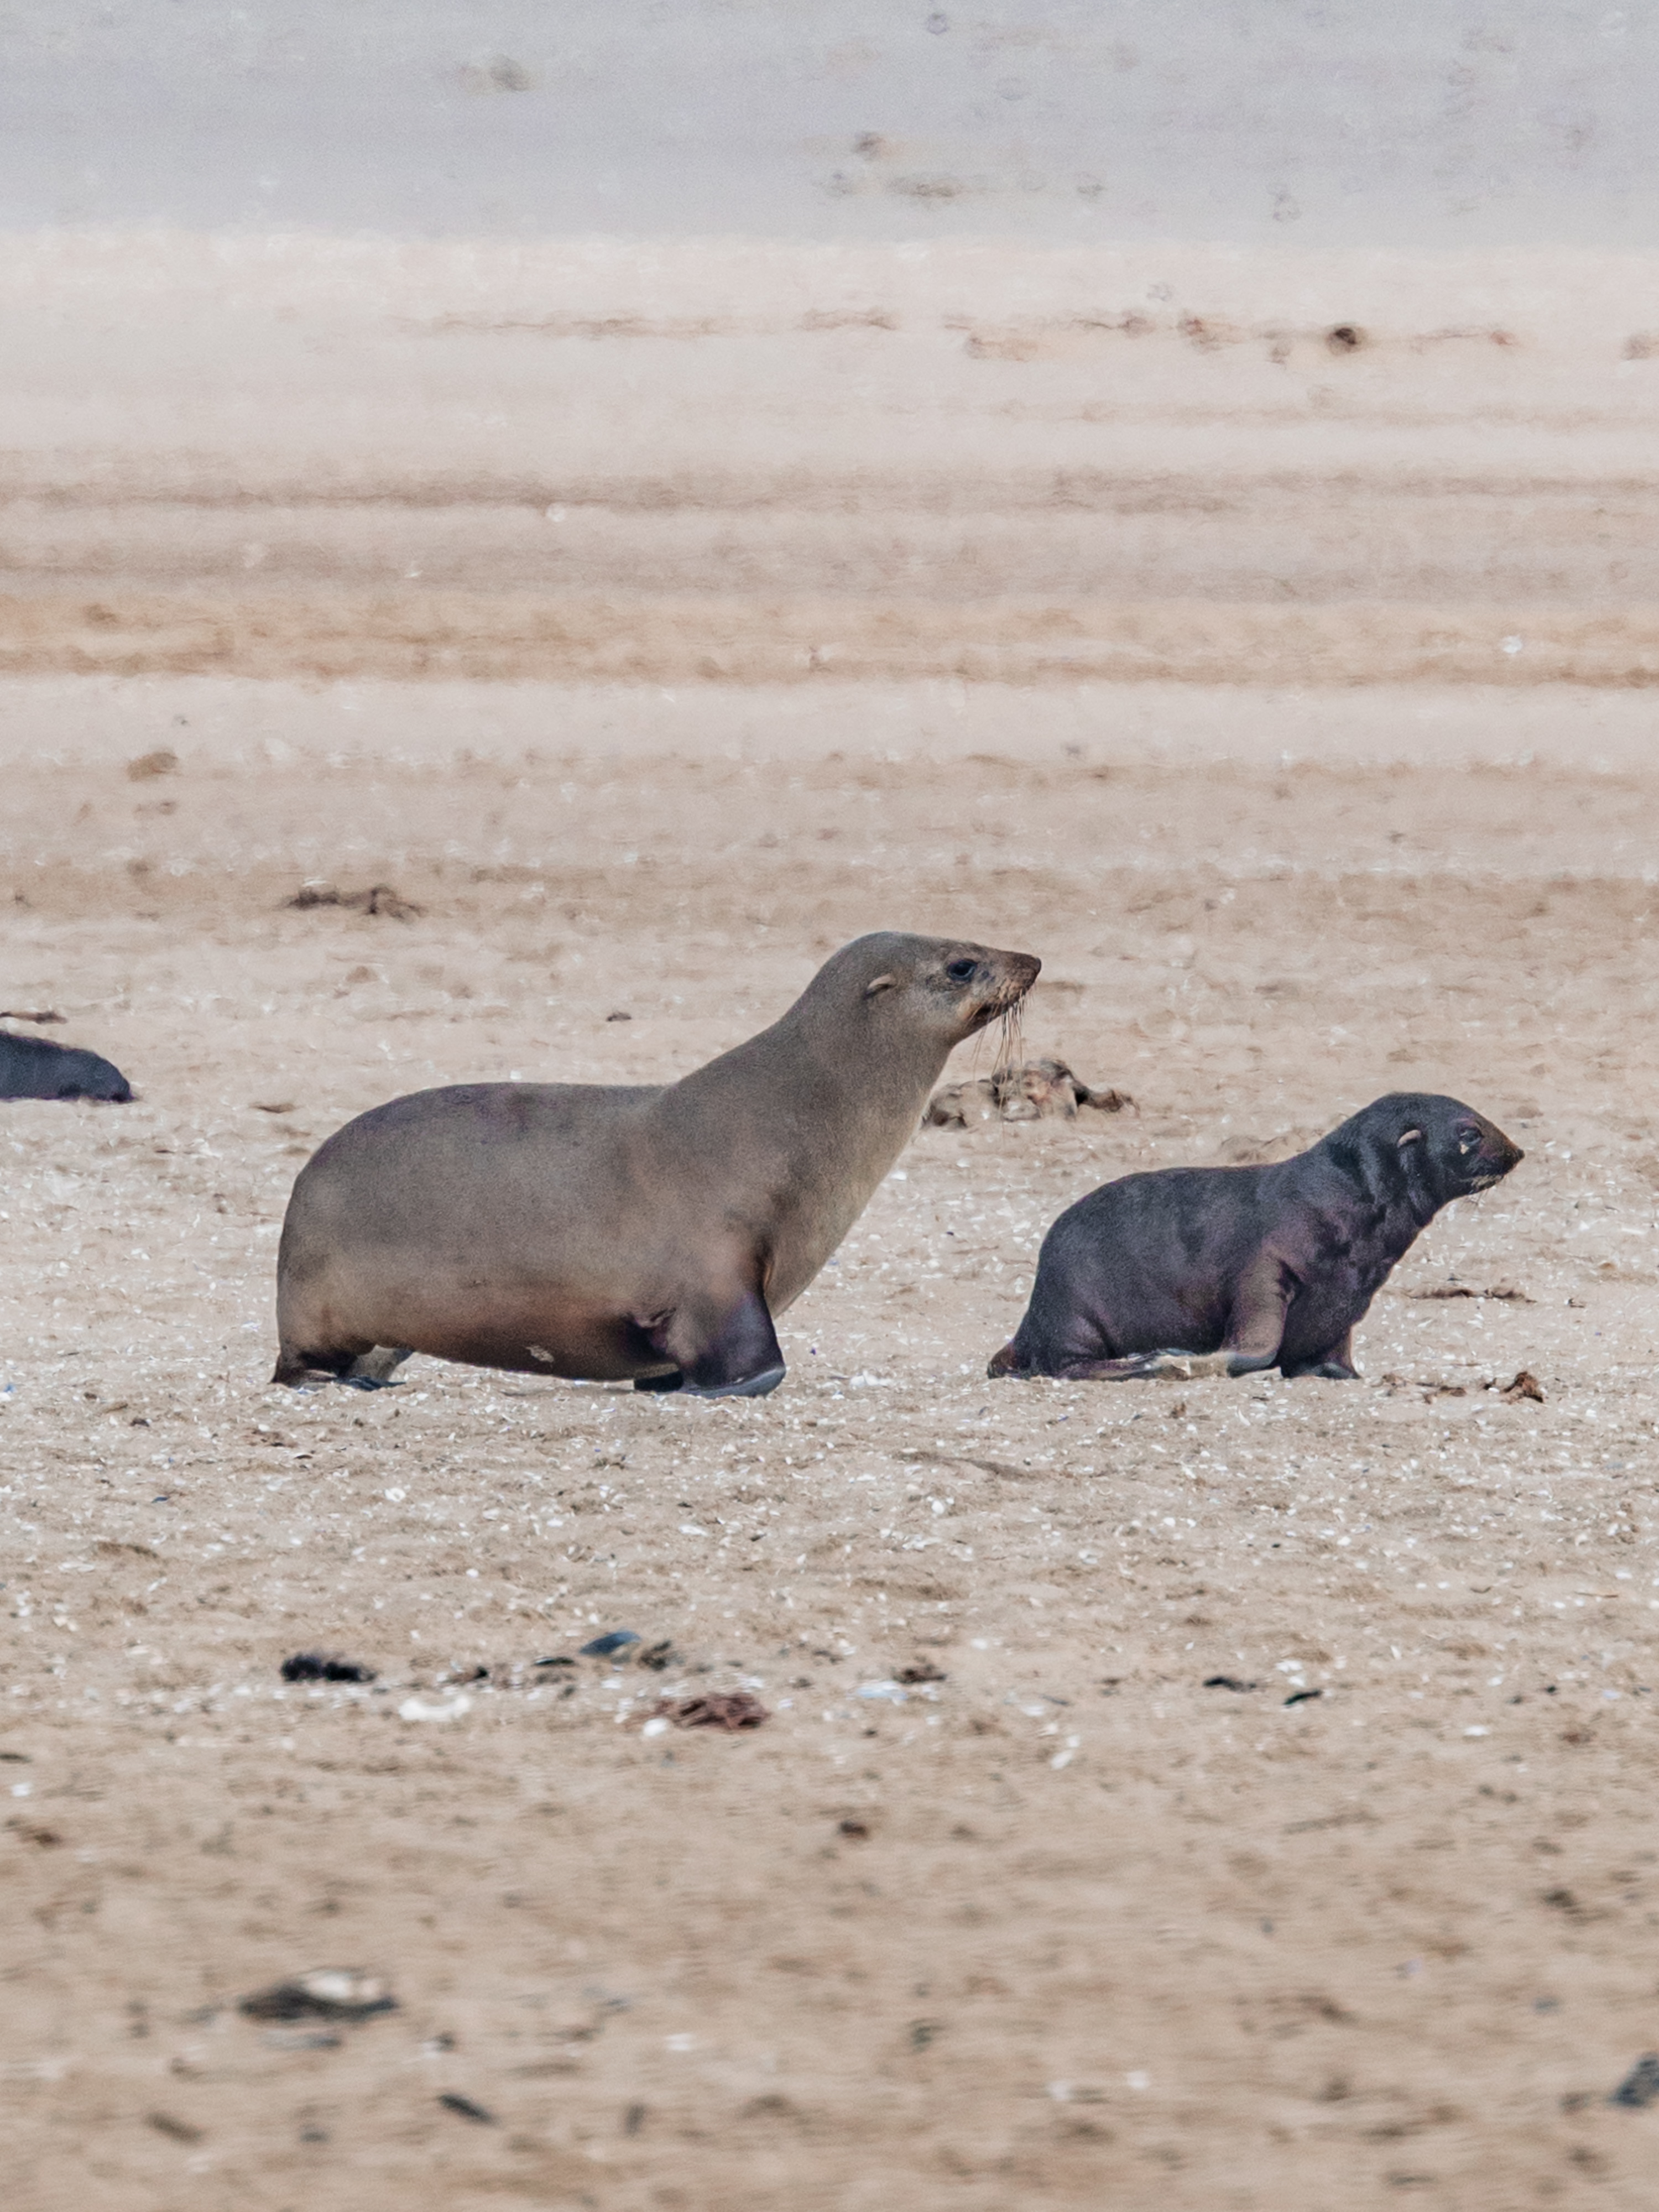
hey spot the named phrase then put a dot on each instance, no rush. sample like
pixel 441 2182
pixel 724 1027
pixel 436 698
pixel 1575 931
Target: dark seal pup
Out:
pixel 1250 1267
pixel 606 1233
pixel 35 1067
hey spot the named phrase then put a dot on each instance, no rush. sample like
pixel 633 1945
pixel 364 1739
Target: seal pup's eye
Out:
pixel 1468 1139
pixel 961 971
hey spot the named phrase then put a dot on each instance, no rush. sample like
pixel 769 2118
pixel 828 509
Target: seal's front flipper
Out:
pixel 1257 1325
pixel 744 1360
pixel 672 1381
pixel 755 1386
pixel 1332 1363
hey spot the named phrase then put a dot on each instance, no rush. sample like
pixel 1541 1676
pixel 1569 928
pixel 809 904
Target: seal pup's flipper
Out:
pixel 1333 1364
pixel 1169 1366
pixel 1254 1333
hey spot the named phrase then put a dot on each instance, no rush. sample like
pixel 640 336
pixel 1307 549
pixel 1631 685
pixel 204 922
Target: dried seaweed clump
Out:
pixel 378 899
pixel 1034 1091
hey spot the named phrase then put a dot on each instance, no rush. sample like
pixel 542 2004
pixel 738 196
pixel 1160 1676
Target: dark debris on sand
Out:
pixel 729 1709
pixel 324 1667
pixel 328 1993
pixel 378 899
pixel 1640 2086
pixel 464 2109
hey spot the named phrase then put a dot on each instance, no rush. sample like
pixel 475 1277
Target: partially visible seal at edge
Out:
pixel 36 1067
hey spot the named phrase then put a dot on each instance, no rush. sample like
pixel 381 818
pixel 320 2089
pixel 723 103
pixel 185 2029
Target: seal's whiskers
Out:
pixel 1010 1040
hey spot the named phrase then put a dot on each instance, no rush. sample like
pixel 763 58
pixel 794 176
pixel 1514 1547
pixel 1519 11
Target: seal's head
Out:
pixel 1447 1150
pixel 942 986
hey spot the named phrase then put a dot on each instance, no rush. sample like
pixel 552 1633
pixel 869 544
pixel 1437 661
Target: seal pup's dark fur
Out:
pixel 35 1067
pixel 575 1229
pixel 1227 1271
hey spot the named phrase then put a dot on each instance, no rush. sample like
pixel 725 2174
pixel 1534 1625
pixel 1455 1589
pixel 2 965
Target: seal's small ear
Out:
pixel 1410 1137
pixel 882 983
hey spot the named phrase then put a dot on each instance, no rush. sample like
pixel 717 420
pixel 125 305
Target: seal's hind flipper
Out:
pixel 1172 1367
pixel 745 1360
pixel 372 1371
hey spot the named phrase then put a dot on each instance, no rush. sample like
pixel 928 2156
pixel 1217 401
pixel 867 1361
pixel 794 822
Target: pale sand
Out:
pixel 1113 1937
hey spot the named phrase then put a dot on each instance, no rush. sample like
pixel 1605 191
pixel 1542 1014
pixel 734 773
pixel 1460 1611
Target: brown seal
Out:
pixel 1228 1271
pixel 575 1230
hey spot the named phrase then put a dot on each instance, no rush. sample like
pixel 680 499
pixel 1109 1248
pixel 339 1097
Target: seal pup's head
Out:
pixel 942 988
pixel 1444 1148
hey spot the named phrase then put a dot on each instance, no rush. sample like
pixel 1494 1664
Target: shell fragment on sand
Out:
pixel 434 1708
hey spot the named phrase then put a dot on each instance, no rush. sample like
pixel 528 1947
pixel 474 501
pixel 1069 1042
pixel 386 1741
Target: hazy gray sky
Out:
pixel 1424 123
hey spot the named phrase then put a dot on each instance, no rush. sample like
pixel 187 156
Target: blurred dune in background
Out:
pixel 1330 122
pixel 745 461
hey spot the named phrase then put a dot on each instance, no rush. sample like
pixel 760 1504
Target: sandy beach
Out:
pixel 650 621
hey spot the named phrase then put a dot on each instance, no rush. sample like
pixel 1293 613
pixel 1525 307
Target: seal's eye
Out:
pixel 961 971
pixel 1468 1139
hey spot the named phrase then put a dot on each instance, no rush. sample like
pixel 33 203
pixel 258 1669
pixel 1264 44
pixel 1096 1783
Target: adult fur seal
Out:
pixel 1250 1267
pixel 35 1067
pixel 654 1233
